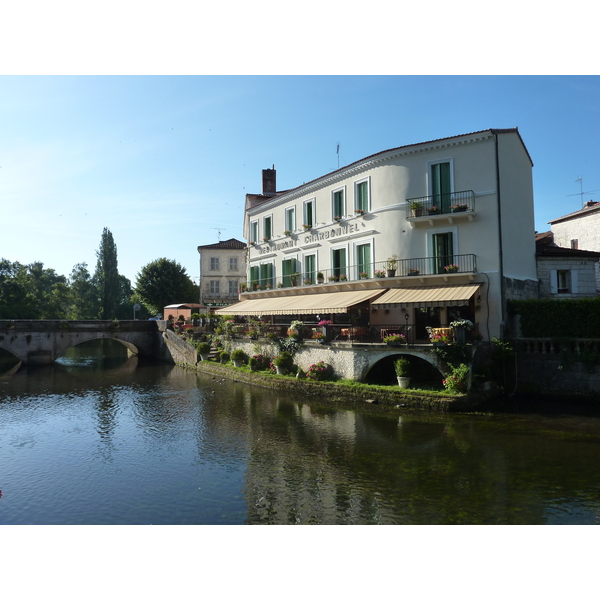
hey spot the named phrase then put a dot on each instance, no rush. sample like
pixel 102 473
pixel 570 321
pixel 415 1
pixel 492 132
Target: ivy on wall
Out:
pixel 578 318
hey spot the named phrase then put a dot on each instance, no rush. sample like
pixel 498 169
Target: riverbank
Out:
pixel 337 392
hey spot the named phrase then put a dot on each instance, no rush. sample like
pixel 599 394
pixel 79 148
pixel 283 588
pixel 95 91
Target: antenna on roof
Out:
pixel 581 193
pixel 218 234
pixel 338 154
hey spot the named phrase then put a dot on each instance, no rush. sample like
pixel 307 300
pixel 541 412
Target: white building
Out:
pixel 417 235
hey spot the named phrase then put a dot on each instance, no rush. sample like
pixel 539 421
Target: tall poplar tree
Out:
pixel 106 276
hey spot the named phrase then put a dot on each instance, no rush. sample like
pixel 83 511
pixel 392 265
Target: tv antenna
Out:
pixel 338 154
pixel 581 193
pixel 219 229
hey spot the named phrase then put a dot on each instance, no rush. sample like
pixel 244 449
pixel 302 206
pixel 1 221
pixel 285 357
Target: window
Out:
pixel 441 186
pixel 268 228
pixel 338 207
pixel 290 219
pixel 310 275
pixel 233 287
pixel 254 232
pixel 214 263
pixel 443 251
pixel 309 213
pixel 254 277
pixel 564 281
pixel 288 268
pixel 338 262
pixel 363 261
pixel 266 276
pixel 233 264
pixel 361 196
pixel 214 287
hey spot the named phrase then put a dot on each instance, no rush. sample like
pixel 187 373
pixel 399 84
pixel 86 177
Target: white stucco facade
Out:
pixel 481 184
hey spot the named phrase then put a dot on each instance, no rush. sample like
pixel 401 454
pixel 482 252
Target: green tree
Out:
pixel 85 298
pixel 106 277
pixel 163 282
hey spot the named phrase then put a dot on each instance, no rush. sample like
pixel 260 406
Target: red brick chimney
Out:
pixel 269 181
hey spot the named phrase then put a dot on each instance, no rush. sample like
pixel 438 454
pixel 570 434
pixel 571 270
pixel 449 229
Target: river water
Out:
pixel 99 439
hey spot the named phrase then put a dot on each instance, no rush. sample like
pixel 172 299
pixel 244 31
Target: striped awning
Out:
pixel 428 296
pixel 311 304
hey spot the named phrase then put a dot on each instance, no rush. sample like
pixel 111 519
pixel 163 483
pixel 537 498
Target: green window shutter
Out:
pixel 442 251
pixel 268 228
pixel 362 196
pixel 338 204
pixel 339 262
pixel 309 218
pixel 364 259
pixel 254 275
pixel 309 268
pixel 288 268
pixel 440 186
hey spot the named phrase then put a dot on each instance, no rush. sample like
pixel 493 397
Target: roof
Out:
pixel 590 207
pixel 428 296
pixel 545 246
pixel 231 244
pixel 405 147
pixel 187 305
pixel 313 304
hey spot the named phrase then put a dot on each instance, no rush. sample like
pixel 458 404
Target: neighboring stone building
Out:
pixel 222 269
pixel 580 230
pixel 564 272
pixel 417 235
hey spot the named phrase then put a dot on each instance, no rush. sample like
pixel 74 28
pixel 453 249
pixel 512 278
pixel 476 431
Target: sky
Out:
pixel 164 162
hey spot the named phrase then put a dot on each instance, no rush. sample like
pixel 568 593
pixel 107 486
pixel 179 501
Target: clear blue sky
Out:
pixel 165 161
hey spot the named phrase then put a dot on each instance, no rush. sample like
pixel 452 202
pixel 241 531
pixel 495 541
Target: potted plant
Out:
pixel 392 262
pixel 306 227
pixel 451 268
pixel 333 278
pixel 433 210
pixel 243 288
pixel 266 239
pixel 396 339
pixel 195 319
pixel 402 368
pixel 294 278
pixel 337 219
pixel 459 207
pixel 308 281
pixel 239 357
pixel 320 278
pixel 414 271
pixel 224 357
pixel 461 326
pixel 287 232
pixel 416 208
pixel 379 273
pixel 203 349
pixel 319 337
pixel 364 275
pixel 360 212
pixel 343 277
pixel 440 339
pixel 283 363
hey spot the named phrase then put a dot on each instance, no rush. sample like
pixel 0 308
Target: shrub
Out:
pixel 202 347
pixel 259 362
pixel 402 367
pixel 456 381
pixel 239 354
pixel 284 361
pixel 320 371
pixel 224 356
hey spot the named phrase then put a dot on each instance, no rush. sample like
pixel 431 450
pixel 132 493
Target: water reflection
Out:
pixel 138 442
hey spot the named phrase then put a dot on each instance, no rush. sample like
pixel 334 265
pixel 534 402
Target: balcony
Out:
pixel 383 274
pixel 442 207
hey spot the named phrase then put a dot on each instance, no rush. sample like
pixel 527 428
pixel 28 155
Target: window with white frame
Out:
pixel 214 287
pixel 362 200
pixel 338 203
pixel 267 227
pixel 290 219
pixel 214 263
pixel 309 214
pixel 364 260
pixel 441 184
pixel 310 269
pixel 564 281
pixel 233 263
pixel 253 232
pixel 233 287
pixel 339 263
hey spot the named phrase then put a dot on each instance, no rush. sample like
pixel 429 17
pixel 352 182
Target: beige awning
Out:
pixel 311 304
pixel 429 296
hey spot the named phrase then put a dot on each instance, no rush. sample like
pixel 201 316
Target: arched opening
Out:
pixel 8 361
pixel 101 353
pixel 423 374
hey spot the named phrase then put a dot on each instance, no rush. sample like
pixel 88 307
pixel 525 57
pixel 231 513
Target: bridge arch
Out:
pixel 426 366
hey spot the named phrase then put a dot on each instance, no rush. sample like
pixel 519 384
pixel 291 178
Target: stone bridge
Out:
pixel 42 342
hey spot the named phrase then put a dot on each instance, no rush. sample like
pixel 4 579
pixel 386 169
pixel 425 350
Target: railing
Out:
pixel 440 204
pixel 432 265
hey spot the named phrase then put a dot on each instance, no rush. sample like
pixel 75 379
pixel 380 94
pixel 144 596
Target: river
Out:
pixel 103 438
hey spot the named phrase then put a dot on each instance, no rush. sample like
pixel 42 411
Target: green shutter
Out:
pixel 309 268
pixel 309 217
pixel 362 196
pixel 254 276
pixel 338 204
pixel 440 186
pixel 442 251
pixel 364 259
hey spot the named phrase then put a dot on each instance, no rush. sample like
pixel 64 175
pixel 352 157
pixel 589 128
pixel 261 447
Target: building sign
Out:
pixel 329 234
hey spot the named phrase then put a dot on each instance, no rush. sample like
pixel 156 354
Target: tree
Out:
pixel 163 282
pixel 85 303
pixel 106 277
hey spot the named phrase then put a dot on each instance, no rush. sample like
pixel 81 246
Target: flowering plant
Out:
pixel 440 337
pixel 433 209
pixel 363 275
pixel 337 219
pixel 259 362
pixel 457 380
pixel 414 271
pixel 320 371
pixel 395 338
pixel 287 232
pixel 296 325
pixel 462 323
pixel 343 277
pixel 324 322
pixel 459 207
pixel 306 227
pixel 317 335
pixel 308 281
pixel 379 273
pixel 359 211
pixel 451 268
pixel 266 239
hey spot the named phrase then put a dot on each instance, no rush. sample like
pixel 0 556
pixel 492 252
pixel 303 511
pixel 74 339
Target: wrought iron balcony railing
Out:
pixel 442 204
